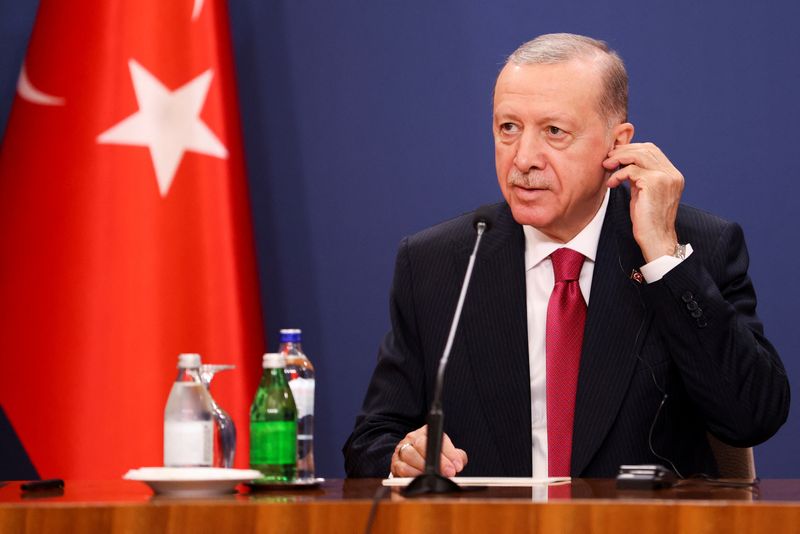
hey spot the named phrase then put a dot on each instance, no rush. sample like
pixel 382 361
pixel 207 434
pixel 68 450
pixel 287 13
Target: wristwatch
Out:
pixel 679 252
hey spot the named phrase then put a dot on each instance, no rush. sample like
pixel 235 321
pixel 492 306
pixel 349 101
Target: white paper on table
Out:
pixel 488 481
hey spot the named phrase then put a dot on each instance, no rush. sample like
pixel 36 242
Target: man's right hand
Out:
pixel 408 459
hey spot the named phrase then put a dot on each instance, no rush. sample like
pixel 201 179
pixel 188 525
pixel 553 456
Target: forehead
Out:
pixel 570 89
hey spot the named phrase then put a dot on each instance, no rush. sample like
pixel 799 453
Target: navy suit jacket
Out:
pixel 692 338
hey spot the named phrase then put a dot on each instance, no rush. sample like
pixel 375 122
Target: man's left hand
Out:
pixel 656 187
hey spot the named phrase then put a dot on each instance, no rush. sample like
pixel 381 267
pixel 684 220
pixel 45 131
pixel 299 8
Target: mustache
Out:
pixel 529 180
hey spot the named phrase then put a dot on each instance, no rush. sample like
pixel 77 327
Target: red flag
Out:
pixel 125 231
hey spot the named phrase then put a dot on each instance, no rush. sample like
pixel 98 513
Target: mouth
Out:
pixel 528 193
pixel 530 187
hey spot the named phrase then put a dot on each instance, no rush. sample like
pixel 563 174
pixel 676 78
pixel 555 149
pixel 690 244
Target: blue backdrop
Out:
pixel 367 120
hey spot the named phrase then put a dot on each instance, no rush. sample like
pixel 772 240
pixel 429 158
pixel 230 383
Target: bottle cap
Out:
pixel 188 360
pixel 273 360
pixel 291 335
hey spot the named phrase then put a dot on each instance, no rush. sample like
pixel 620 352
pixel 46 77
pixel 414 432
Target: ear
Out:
pixel 622 133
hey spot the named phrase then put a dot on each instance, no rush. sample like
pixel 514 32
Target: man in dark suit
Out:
pixel 669 346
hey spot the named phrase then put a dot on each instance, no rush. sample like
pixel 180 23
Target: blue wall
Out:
pixel 368 120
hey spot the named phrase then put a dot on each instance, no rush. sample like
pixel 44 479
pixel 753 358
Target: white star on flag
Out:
pixel 168 123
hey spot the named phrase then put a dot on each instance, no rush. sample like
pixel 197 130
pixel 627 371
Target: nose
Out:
pixel 530 153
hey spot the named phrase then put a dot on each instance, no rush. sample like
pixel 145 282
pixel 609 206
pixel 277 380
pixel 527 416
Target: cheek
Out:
pixel 499 163
pixel 502 165
pixel 503 160
pixel 575 175
pixel 502 182
pixel 591 172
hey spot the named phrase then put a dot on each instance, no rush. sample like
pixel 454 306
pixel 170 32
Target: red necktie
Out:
pixel 566 315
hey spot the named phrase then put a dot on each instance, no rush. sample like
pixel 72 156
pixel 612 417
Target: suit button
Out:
pixel 701 322
pixel 687 296
pixel 697 313
pixel 692 305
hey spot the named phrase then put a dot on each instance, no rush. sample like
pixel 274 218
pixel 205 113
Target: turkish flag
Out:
pixel 125 231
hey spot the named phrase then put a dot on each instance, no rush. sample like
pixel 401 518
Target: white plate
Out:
pixel 192 481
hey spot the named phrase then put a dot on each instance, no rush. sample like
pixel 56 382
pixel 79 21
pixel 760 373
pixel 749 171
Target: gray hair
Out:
pixel 554 48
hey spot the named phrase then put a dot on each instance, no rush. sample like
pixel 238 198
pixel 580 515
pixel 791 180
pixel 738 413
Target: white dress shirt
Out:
pixel 539 282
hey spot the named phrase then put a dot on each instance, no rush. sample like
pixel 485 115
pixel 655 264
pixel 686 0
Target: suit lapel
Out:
pixel 614 316
pixel 494 335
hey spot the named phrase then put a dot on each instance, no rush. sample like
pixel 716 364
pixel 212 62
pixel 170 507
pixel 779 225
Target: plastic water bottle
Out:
pixel 273 424
pixel 188 418
pixel 300 373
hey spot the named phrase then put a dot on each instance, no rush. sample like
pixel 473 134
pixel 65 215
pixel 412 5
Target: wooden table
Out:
pixel 585 506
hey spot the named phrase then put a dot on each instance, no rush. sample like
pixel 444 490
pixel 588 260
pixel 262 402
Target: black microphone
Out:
pixel 430 481
pixel 485 215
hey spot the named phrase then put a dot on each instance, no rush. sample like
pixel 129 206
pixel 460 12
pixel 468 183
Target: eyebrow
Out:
pixel 561 118
pixel 564 120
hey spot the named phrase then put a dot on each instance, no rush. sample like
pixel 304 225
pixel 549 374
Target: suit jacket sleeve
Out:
pixel 705 310
pixel 396 398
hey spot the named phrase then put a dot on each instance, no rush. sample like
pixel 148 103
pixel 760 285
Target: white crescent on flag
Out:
pixel 27 91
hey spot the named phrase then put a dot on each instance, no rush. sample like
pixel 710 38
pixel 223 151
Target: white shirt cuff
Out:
pixel 656 269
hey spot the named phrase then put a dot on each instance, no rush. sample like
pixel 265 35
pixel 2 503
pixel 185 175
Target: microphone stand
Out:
pixel 430 481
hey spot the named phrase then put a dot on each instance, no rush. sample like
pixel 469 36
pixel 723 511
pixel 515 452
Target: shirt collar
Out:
pixel 538 246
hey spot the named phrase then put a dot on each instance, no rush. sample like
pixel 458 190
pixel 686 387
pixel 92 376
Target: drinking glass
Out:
pixel 224 428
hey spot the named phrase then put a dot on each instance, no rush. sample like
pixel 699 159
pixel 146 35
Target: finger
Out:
pixel 616 154
pixel 644 155
pixel 452 454
pixel 464 457
pixel 405 461
pixel 402 469
pixel 640 149
pixel 630 173
pixel 611 164
pixel 415 435
pixel 457 464
pixel 411 458
pixel 621 159
pixel 414 455
pixel 446 465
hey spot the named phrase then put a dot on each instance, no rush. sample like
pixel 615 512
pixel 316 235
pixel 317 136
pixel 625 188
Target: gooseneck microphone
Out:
pixel 430 481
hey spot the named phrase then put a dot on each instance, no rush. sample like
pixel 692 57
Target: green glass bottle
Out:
pixel 273 424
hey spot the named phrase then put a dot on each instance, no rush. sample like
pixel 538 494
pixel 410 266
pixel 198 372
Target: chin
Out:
pixel 531 215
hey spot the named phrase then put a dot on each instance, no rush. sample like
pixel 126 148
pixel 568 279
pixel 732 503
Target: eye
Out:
pixel 555 131
pixel 509 128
